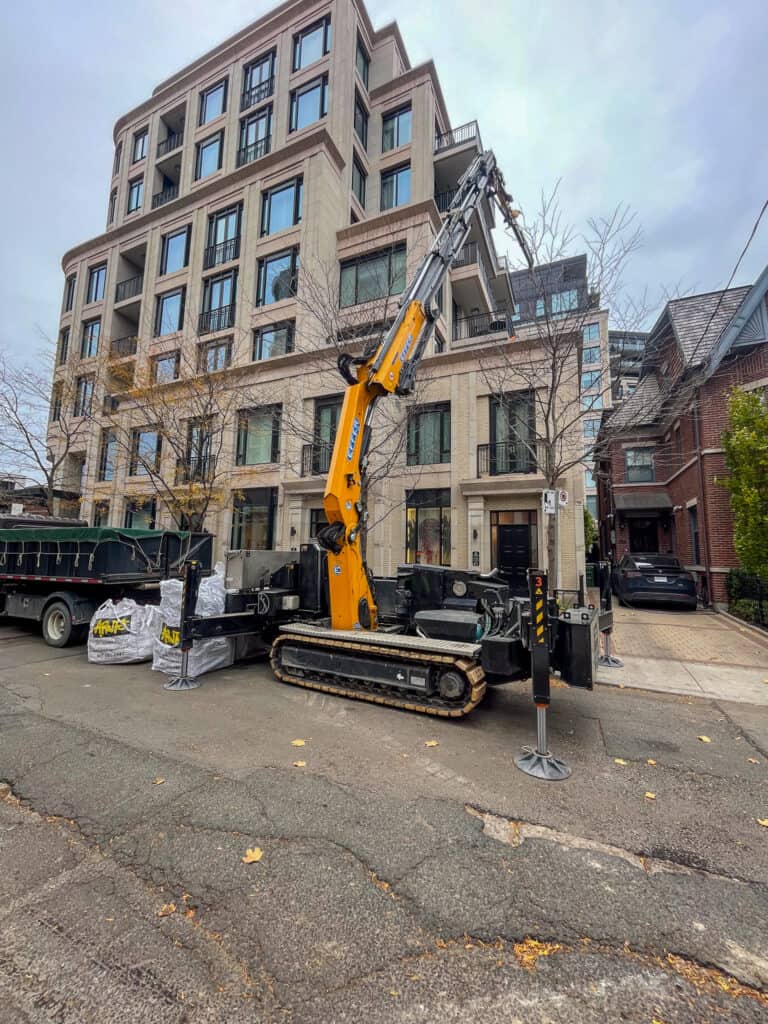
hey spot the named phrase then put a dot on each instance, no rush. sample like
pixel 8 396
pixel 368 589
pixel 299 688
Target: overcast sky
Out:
pixel 657 103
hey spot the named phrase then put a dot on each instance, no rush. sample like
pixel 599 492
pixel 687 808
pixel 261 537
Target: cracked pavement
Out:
pixel 399 882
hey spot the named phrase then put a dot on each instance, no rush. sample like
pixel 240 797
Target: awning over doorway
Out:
pixel 643 501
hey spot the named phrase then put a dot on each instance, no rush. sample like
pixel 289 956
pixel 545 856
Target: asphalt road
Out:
pixel 398 882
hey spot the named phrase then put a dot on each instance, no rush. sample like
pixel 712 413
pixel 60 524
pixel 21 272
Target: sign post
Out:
pixel 539 762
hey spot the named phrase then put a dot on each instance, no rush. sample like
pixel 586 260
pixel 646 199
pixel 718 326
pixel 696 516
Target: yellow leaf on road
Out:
pixel 190 913
pixel 651 761
pixel 166 910
pixel 253 856
pixel 704 739
pixel 752 760
pixel 650 796
pixel 158 781
pixel 299 764
pixel 763 822
pixel 619 760
pixel 298 743
pixel 431 743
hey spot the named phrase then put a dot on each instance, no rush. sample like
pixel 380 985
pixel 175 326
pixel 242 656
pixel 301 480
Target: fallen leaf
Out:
pixel 298 743
pixel 619 760
pixel 190 913
pixel 166 910
pixel 393 992
pixel 655 1020
pixel 431 743
pixel 763 822
pixel 299 764
pixel 752 760
pixel 529 951
pixel 252 856
pixel 109 919
pixel 158 781
pixel 704 739
pixel 414 977
pixel 650 796
pixel 651 762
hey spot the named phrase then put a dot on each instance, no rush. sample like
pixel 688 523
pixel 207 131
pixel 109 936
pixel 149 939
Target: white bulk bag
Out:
pixel 122 632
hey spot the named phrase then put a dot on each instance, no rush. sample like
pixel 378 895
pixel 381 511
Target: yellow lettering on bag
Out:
pixel 170 636
pixel 111 627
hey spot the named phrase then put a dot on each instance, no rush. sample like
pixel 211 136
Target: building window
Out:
pixel 56 404
pixel 213 102
pixel 219 296
pixel 215 355
pixel 199 463
pixel 135 194
pixel 118 158
pixel 439 342
pixel 591 428
pixel 277 277
pixel 174 251
pixel 373 276
pixel 139 145
pixel 83 396
pixel 361 121
pixel 166 368
pixel 140 514
pixel 223 237
pixel 89 343
pixel 253 519
pixel 512 446
pixel 258 80
pixel 169 312
pixel 258 436
pixel 255 136
pixel 679 446
pixel 396 187
pixel 589 480
pixel 112 206
pixel 107 454
pixel 693 523
pixel 396 129
pixel 564 302
pixel 69 292
pixel 539 307
pixel 209 154
pixel 358 182
pixel 317 520
pixel 591 332
pixel 309 103
pixel 311 44
pixel 638 465
pixel 281 206
pixel 362 62
pixel 591 403
pixel 327 412
pixel 273 340
pixel 591 355
pixel 146 447
pixel 591 503
pixel 428 526
pixel 101 513
pixel 429 435
pixel 97 279
pixel 63 346
pixel 590 379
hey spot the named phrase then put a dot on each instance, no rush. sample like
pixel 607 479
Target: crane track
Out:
pixel 378 693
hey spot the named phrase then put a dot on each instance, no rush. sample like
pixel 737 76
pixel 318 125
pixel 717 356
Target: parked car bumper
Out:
pixel 676 597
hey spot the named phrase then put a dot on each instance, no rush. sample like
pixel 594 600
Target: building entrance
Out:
pixel 643 535
pixel 514 544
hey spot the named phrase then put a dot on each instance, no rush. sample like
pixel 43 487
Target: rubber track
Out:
pixel 471 671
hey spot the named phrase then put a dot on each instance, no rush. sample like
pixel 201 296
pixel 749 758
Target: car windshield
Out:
pixel 656 562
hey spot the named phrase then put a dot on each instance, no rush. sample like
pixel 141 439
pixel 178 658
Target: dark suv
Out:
pixel 660 579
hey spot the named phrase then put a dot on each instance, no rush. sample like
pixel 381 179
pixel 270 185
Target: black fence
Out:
pixel 748 597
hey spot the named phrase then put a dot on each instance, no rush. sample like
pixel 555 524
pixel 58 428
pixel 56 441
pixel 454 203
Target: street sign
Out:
pixel 563 499
pixel 548 502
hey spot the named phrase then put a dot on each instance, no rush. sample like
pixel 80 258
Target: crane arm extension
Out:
pixel 391 369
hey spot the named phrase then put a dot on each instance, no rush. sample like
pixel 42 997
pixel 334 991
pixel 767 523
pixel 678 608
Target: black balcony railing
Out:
pixel 222 252
pixel 467 255
pixel 316 459
pixel 457 136
pixel 444 199
pixel 480 324
pixel 130 288
pixel 216 320
pixel 257 94
pixel 119 348
pixel 195 469
pixel 508 457
pixel 174 140
pixel 258 149
pixel 161 198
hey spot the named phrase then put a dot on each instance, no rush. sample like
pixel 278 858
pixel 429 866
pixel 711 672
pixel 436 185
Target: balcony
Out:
pixel 316 459
pixel 223 252
pixel 161 198
pixel 504 458
pixel 174 140
pixel 458 137
pixel 220 319
pixel 256 151
pixel 120 348
pixel 444 200
pixel 195 469
pixel 481 324
pixel 257 94
pixel 129 289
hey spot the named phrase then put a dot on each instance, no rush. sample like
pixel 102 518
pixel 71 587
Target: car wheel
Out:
pixel 57 625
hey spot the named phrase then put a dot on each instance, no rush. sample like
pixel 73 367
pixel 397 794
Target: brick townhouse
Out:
pixel 661 461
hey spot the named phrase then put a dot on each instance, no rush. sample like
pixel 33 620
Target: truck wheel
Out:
pixel 57 625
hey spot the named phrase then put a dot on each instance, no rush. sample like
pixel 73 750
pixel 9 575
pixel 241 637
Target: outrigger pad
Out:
pixel 182 683
pixel 542 766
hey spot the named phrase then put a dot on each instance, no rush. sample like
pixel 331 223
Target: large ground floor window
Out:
pixel 140 514
pixel 253 519
pixel 428 526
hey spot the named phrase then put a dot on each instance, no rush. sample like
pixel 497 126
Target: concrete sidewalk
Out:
pixel 701 654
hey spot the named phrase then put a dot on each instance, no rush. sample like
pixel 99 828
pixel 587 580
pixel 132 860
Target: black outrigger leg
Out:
pixel 192 574
pixel 539 762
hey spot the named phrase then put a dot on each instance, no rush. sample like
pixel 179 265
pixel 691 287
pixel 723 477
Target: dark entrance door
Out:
pixel 643 535
pixel 513 555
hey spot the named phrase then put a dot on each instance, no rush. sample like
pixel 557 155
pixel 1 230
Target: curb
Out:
pixel 755 630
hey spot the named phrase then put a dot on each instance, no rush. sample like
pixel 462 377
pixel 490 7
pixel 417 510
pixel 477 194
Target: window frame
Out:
pixel 201 146
pixel 360 108
pixel 302 90
pixel 206 348
pixel 595 355
pixel 635 477
pixel 135 187
pixel 112 207
pixel 162 357
pixel 97 284
pixel 357 168
pixel 106 464
pixel 132 508
pixel 270 58
pixel 241 447
pixel 70 292
pixel 100 513
pixel 117 159
pixel 590 332
pixel 186 230
pixel 267 195
pixel 135 468
pixel 62 353
pixel 414 456
pixel 264 113
pixel 428 499
pixel 261 275
pixel 159 302
pixel 84 386
pixel 298 38
pixel 392 173
pixel 140 140
pixel 362 51
pixel 257 348
pixel 222 83
pixel 590 379
pixel 87 335
pixel 208 286
pixel 394 116
pixel 396 250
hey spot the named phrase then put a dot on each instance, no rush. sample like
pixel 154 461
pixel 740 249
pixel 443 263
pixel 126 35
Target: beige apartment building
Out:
pixel 302 163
